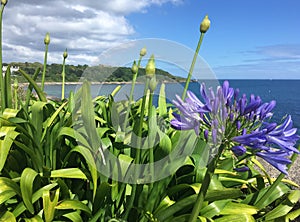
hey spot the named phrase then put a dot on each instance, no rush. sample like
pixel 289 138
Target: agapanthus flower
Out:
pixel 240 124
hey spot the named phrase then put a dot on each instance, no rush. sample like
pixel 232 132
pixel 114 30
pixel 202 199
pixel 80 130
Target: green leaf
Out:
pixel 292 215
pixel 90 161
pixel 279 191
pixel 26 183
pixel 49 204
pixel 162 105
pixel 285 207
pixel 7 88
pixel 38 90
pixel 7 217
pixel 236 218
pixel 73 216
pixel 36 218
pixel 214 208
pixel 73 205
pixel 37 195
pixel 237 208
pixel 37 110
pixel 6 144
pixel 73 173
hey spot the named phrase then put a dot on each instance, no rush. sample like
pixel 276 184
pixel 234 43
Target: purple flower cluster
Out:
pixel 238 123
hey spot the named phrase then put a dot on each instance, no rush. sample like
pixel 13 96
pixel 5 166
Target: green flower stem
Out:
pixel 204 187
pixel 63 79
pixel 16 93
pixel 137 158
pixel 45 66
pixel 259 204
pixel 1 79
pixel 151 140
pixel 131 95
pixel 192 67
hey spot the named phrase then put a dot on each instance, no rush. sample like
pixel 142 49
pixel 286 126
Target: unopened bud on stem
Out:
pixel 4 2
pixel 47 39
pixel 65 55
pixel 152 84
pixel 150 68
pixel 143 51
pixel 205 24
pixel 134 68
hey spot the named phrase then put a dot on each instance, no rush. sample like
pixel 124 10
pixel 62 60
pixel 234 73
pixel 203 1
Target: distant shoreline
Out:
pixel 93 83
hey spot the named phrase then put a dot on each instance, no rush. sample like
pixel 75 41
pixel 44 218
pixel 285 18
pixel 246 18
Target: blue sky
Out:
pixel 247 39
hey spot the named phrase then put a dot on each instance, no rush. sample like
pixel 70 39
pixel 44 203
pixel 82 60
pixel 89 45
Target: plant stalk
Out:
pixel 45 66
pixel 131 94
pixel 192 66
pixel 63 80
pixel 137 158
pixel 1 79
pixel 204 187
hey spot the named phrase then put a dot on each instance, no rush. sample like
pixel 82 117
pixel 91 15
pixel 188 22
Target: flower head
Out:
pixel 240 124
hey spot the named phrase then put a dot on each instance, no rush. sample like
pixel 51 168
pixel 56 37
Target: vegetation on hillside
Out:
pixel 98 73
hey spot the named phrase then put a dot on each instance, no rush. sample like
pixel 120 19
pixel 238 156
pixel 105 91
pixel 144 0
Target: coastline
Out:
pixel 94 83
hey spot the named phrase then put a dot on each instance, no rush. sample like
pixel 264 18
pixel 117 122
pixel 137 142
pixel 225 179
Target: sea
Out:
pixel 285 92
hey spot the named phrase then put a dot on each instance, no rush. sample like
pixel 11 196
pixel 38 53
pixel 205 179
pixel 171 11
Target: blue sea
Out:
pixel 285 92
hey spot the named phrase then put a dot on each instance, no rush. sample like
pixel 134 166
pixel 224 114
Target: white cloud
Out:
pixel 86 28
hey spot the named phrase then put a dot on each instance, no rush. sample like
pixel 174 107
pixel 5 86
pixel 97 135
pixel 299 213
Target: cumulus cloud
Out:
pixel 86 28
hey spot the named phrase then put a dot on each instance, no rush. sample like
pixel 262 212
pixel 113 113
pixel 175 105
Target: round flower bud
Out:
pixel 152 84
pixel 150 67
pixel 205 24
pixel 65 55
pixel 4 2
pixel 47 39
pixel 143 51
pixel 134 68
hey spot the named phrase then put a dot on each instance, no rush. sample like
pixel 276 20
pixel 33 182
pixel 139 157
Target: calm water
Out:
pixel 285 92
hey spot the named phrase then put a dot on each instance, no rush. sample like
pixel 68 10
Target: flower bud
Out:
pixel 47 39
pixel 134 68
pixel 65 55
pixel 205 24
pixel 4 2
pixel 150 67
pixel 152 84
pixel 239 150
pixel 143 51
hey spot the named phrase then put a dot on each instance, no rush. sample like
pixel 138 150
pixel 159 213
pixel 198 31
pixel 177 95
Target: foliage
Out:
pixel 98 73
pixel 56 165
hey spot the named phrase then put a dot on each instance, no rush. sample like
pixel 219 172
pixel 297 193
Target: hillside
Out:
pixel 98 73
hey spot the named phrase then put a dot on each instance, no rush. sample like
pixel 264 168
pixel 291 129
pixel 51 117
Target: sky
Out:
pixel 257 39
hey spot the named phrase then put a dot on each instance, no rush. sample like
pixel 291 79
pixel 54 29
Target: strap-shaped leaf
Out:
pixel 73 205
pixel 73 173
pixel 6 144
pixel 8 216
pixel 8 189
pixel 162 104
pixel 285 207
pixel 38 90
pixel 27 179
pixel 37 195
pixel 49 204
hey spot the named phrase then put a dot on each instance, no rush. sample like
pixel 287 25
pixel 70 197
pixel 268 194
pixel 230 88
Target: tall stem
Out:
pixel 137 158
pixel 131 95
pixel 45 66
pixel 63 80
pixel 204 187
pixel 192 67
pixel 1 79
